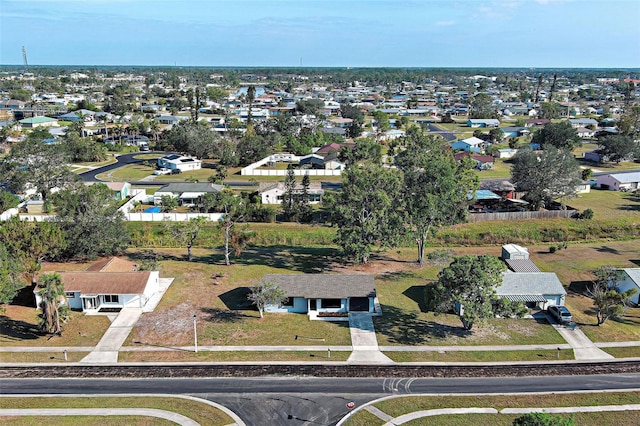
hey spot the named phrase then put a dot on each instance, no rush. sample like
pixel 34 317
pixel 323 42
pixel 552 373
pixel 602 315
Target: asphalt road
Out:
pixel 121 160
pixel 318 401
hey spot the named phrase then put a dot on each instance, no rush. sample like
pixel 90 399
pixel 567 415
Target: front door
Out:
pixel 313 304
pixel 359 304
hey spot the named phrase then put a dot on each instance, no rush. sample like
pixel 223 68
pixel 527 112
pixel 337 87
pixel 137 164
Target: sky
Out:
pixel 311 33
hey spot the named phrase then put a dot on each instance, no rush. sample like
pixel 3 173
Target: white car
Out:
pixel 162 172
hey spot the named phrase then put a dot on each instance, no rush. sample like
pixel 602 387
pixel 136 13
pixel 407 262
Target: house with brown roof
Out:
pixel 108 284
pixel 326 296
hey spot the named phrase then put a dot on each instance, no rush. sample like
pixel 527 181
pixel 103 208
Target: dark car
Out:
pixel 560 313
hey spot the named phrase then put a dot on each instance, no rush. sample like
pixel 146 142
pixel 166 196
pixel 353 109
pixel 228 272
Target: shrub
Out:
pixel 587 214
pixel 553 249
pixel 441 257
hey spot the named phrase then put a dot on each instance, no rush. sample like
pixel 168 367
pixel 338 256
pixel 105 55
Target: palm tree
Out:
pixel 51 293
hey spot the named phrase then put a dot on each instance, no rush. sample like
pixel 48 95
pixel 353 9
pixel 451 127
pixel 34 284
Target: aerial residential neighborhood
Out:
pixel 288 213
pixel 212 214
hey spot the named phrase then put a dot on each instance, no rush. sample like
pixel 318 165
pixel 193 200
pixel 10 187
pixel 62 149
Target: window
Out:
pixel 111 298
pixel 70 294
pixel 331 303
pixel 288 302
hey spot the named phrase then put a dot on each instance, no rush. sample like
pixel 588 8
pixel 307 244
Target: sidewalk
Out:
pixel 106 351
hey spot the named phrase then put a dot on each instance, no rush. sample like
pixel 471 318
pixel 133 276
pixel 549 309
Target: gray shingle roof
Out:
pixel 530 283
pixel 191 187
pixel 324 286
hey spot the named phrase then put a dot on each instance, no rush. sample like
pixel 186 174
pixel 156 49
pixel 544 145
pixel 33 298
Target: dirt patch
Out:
pixel 172 324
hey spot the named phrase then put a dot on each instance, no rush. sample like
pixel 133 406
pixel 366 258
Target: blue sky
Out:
pixel 356 33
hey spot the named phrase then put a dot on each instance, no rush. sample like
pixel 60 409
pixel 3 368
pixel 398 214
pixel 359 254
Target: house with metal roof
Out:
pixel 185 192
pixel 622 181
pixel 535 289
pixel 33 122
pixel 326 296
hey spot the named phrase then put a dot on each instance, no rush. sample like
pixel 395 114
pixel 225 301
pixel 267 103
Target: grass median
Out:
pixel 204 414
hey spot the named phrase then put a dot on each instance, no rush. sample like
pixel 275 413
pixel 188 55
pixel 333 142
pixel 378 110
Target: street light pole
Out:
pixel 195 334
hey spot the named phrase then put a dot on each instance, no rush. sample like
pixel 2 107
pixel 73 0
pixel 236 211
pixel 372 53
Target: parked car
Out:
pixel 175 171
pixel 162 172
pixel 560 313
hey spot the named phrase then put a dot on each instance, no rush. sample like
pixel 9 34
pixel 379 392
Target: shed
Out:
pixel 514 251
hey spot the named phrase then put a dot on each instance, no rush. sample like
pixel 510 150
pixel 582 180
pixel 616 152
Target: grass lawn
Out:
pixel 608 205
pixel 86 420
pixel 130 172
pixel 19 325
pixel 625 352
pixel 480 356
pixel 148 156
pixel 204 414
pixel 582 419
pixel 235 356
pixel 33 357
pixel 398 406
pixel 501 169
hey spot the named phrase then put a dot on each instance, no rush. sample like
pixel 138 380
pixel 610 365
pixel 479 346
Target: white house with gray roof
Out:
pixel 321 295
pixel 186 192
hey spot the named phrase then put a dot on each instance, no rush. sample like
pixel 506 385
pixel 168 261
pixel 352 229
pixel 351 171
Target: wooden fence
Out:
pixel 545 214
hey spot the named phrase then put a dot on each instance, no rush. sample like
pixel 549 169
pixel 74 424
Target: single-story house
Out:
pixel 630 278
pixel 583 122
pixel 536 289
pixel 596 156
pixel 121 190
pixel 483 122
pixel 622 181
pixel 313 161
pixel 533 122
pixel 79 115
pixel 514 131
pixel 471 144
pixel 179 162
pixel 110 284
pixel 33 122
pixel 272 192
pixel 171 119
pixel 318 294
pixel 186 192
pixel 483 162
pixel 584 132
pixel 506 153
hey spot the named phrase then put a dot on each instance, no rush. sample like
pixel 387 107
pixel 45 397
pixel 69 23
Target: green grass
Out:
pixel 480 356
pixel 582 419
pixel 232 356
pixel 19 328
pixel 33 357
pixel 201 413
pixel 608 205
pixel 398 406
pixel 501 169
pixel 624 352
pixel 86 420
pixel 130 172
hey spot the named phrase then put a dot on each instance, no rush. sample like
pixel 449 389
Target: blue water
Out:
pixel 153 210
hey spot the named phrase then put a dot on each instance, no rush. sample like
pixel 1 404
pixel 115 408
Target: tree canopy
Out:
pixel 607 299
pixel 618 147
pixel 469 285
pixel 366 210
pixel 559 135
pixel 553 174
pixel 436 187
pixel 266 293
pixel 90 218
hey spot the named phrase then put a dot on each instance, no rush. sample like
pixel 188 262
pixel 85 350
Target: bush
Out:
pixel 441 257
pixel 553 249
pixel 542 419
pixel 587 214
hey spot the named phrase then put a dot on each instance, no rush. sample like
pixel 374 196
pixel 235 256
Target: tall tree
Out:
pixel 51 292
pixel 469 284
pixel 234 211
pixel 618 147
pixel 289 203
pixel 366 210
pixel 554 174
pixel 90 218
pixel 186 232
pixel 266 293
pixel 436 188
pixel 482 107
pixel 10 270
pixel 559 135
pixel 32 243
pixel 42 165
pixel 251 96
pixel 607 299
pixel 304 206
